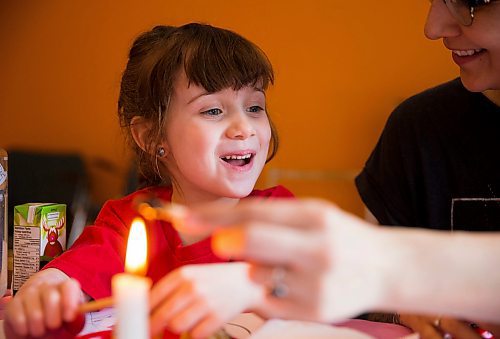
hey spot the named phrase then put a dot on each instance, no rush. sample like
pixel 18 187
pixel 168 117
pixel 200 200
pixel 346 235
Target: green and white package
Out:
pixel 39 236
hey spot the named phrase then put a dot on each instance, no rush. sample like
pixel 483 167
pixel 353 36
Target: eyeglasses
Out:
pixel 463 10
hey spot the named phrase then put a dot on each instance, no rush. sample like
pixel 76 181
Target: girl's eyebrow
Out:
pixel 198 96
pixel 261 90
pixel 258 89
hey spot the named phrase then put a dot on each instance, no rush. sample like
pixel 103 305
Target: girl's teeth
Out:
pixel 237 157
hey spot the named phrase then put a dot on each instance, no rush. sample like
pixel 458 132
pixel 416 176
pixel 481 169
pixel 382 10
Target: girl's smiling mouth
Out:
pixel 238 159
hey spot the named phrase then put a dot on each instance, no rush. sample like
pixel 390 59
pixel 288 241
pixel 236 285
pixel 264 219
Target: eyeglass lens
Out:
pixel 461 10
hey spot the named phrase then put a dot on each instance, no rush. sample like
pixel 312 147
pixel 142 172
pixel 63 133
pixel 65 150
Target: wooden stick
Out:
pixel 96 305
pixel 157 210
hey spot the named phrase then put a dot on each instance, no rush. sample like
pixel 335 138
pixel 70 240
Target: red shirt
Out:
pixel 99 253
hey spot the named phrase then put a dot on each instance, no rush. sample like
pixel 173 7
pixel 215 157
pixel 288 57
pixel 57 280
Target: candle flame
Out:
pixel 137 248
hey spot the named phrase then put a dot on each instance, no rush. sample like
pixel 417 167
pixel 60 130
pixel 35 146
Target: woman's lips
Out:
pixel 462 57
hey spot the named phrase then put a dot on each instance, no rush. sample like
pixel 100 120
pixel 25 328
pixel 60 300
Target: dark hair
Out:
pixel 213 58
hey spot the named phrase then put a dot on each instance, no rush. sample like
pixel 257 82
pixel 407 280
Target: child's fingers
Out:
pixel 207 327
pixel 163 288
pixel 71 297
pixel 33 309
pixel 184 320
pixel 15 318
pixel 51 305
pixel 162 314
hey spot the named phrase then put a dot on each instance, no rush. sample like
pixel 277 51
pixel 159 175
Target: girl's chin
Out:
pixel 239 193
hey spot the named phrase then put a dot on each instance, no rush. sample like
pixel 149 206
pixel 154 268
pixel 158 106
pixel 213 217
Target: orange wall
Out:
pixel 341 67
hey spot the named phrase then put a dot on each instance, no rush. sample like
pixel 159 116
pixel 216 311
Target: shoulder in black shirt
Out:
pixel 437 163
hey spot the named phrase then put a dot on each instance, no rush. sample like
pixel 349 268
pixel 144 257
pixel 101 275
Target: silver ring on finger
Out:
pixel 279 288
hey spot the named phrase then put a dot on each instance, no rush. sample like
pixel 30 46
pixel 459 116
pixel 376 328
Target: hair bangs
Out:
pixel 219 59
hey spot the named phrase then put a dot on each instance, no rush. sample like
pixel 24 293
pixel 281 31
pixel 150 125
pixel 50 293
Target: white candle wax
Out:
pixel 131 295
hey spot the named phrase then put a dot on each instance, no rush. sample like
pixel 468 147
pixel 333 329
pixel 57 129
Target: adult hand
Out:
pixel 434 327
pixel 45 302
pixel 338 266
pixel 202 298
pixel 329 256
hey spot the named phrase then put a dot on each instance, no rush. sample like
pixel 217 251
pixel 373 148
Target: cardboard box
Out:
pixel 39 236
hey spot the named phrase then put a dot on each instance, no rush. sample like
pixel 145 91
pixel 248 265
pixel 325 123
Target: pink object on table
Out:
pixel 3 302
pixel 97 335
pixel 377 330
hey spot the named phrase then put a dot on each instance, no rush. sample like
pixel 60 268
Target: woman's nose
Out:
pixel 440 22
pixel 240 127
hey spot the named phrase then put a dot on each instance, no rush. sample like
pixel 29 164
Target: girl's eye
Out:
pixel 212 112
pixel 255 109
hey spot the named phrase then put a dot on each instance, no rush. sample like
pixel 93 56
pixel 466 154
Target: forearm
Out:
pixel 441 273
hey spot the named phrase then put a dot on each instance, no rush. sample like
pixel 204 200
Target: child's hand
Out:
pixel 201 298
pixel 46 301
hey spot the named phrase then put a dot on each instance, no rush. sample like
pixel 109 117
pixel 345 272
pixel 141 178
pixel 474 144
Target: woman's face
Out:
pixel 475 48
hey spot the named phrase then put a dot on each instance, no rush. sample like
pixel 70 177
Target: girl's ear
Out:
pixel 139 129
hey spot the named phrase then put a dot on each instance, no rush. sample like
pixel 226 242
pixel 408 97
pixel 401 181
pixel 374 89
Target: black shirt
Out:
pixel 437 163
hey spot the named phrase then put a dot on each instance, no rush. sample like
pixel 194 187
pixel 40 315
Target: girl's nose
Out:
pixel 440 22
pixel 240 127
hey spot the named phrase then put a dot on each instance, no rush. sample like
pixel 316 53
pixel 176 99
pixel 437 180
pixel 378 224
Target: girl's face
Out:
pixel 475 48
pixel 217 143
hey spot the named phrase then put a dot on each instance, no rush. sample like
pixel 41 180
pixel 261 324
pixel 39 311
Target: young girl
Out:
pixel 193 103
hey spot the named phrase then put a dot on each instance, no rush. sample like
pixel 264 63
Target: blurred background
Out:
pixel 341 67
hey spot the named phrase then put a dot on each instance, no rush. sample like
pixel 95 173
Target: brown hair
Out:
pixel 211 57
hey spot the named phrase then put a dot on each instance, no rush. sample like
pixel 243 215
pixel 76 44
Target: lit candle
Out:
pixel 131 289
